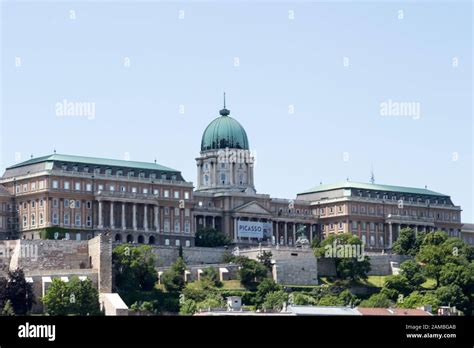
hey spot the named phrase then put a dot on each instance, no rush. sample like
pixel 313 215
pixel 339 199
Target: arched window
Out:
pixel 141 240
pixel 151 240
pixel 223 178
pixel 118 237
pixel 129 238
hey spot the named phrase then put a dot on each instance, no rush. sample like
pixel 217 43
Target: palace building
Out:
pixel 149 203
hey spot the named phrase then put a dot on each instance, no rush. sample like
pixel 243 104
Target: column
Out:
pixel 199 171
pixel 416 230
pixel 277 234
pixel 231 178
pixel 204 225
pixel 157 225
pixel 390 235
pixel 311 234
pixel 101 223
pixel 235 230
pixel 145 217
pixel 286 233
pixel 124 226
pixel 112 215
pixel 294 233
pixel 251 174
pixel 214 222
pixel 135 216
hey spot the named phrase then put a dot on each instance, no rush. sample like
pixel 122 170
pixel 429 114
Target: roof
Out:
pixel 367 186
pixel 467 227
pixel 393 311
pixel 4 192
pixel 224 132
pixel 94 161
pixel 322 310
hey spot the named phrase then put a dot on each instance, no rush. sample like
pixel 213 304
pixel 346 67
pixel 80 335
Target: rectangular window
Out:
pixel 167 210
pixel 187 212
pixel 167 193
pixel 55 184
pixel 186 195
pixel 134 190
pixel 89 187
pixel 66 218
pixel 167 225
pixel 41 185
pixel 55 202
pixel 55 218
pixel 176 212
pixel 112 187
pixel 187 227
pixel 78 219
pixel 77 186
pixel 66 185
pixel 66 203
pixel 100 187
pixel 33 186
pixel 176 194
pixel 88 204
pixel 145 191
pixel 78 203
pixel 25 187
pixel 89 221
pixel 156 192
pixel 123 189
pixel 176 226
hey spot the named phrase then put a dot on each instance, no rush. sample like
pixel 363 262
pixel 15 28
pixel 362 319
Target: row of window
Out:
pixel 395 197
pixel 77 221
pixel 119 172
pixel 101 187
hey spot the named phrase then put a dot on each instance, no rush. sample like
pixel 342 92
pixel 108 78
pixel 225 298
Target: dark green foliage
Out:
pixel 173 278
pixel 209 237
pixel 134 268
pixel 18 291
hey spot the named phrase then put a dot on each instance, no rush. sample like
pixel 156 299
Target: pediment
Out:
pixel 252 208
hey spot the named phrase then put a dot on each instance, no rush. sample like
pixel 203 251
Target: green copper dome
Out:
pixel 224 132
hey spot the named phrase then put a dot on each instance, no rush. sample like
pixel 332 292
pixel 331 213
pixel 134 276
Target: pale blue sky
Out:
pixel 283 62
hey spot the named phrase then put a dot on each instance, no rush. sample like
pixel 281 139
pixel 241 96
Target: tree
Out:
pixel 199 290
pixel 19 292
pixel 435 238
pixel 212 300
pixel 331 300
pixel 460 275
pixel 85 297
pixel 433 257
pixel 187 307
pixel 347 252
pixel 210 237
pixel 265 259
pixel 302 299
pixel 8 309
pixel 3 291
pixel 452 295
pixel 75 297
pixel 406 243
pixel 413 272
pixel 264 288
pixel 275 300
pixel 251 272
pixel 416 299
pixel 399 283
pixel 173 278
pixel 134 267
pixel 376 301
pixel 211 274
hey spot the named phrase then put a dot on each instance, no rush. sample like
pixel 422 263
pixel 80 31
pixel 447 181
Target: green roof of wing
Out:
pixel 95 161
pixel 377 187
